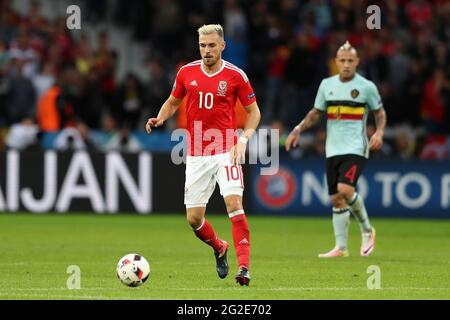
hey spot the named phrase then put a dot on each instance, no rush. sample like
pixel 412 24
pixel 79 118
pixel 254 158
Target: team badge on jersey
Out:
pixel 354 93
pixel 222 88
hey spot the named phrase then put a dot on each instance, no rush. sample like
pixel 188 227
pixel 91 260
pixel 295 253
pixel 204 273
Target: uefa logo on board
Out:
pixel 276 191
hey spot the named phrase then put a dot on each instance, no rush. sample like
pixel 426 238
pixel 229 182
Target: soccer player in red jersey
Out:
pixel 215 153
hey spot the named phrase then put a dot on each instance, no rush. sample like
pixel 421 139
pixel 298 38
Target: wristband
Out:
pixel 243 139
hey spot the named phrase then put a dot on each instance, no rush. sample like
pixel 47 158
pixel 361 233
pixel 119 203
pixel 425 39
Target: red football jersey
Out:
pixel 210 105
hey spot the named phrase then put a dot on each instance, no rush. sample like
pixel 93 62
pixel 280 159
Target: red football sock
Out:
pixel 241 238
pixel 206 234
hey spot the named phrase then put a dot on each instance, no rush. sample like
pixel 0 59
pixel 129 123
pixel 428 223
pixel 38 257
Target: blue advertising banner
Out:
pixel 415 189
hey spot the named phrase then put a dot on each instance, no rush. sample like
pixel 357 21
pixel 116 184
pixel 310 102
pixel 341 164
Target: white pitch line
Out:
pixel 192 263
pixel 233 289
pixel 36 295
pixel 55 263
pixel 58 289
pixel 303 289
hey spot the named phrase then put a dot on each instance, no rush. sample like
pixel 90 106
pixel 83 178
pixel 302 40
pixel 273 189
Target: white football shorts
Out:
pixel 202 173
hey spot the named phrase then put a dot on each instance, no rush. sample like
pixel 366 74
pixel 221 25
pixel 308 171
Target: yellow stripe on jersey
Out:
pixel 346 110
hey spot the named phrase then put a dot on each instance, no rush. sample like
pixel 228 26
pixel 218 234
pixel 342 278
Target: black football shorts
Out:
pixel 344 169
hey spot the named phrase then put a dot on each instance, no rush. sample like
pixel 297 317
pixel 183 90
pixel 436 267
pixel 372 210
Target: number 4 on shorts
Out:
pixel 351 173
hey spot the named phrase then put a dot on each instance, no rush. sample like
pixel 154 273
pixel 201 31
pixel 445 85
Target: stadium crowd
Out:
pixel 53 81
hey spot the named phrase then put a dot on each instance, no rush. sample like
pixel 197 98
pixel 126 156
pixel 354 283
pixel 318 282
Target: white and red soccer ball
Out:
pixel 133 270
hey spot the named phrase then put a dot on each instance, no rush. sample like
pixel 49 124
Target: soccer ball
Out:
pixel 133 270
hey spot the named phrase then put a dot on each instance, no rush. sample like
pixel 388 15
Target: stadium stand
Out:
pixel 119 68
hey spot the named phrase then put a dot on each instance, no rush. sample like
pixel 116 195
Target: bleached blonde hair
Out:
pixel 348 47
pixel 210 29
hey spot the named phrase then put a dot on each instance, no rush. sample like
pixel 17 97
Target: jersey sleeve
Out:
pixel 321 103
pixel 245 92
pixel 178 90
pixel 373 97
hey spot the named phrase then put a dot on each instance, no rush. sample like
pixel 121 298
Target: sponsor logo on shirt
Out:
pixel 251 96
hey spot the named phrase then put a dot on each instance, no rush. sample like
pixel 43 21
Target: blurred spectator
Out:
pixel 432 109
pixel 105 67
pixel 48 115
pixel 413 93
pixel 435 148
pixel 263 33
pixel 298 92
pixel 404 143
pixel 4 83
pixel 56 107
pixel 289 13
pixel 157 88
pixel 422 49
pixel 61 45
pixel 8 22
pixel 398 67
pixel 96 10
pixel 419 13
pixel 21 99
pixel 84 56
pixel 69 139
pixel 34 20
pixel 321 11
pixel 45 79
pixel 25 59
pixel 100 138
pixel 129 103
pixel 277 66
pixel 4 56
pixel 374 66
pixel 141 24
pixel 111 139
pixel 166 26
pixel 122 141
pixel 22 134
pixel 441 55
pixel 235 34
pixel 89 100
pixel 317 149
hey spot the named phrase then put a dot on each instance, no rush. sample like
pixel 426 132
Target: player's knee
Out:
pixel 338 200
pixel 194 221
pixel 339 203
pixel 233 203
pixel 345 192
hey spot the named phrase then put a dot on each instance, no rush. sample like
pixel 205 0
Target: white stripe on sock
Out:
pixel 201 226
pixel 236 213
pixel 353 199
pixel 340 210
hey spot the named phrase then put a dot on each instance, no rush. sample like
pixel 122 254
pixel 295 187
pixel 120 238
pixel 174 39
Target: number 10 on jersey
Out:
pixel 234 173
pixel 206 100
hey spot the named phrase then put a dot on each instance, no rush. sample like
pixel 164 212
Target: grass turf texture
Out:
pixel 35 250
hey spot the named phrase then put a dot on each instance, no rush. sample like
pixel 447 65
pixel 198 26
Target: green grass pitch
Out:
pixel 35 250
